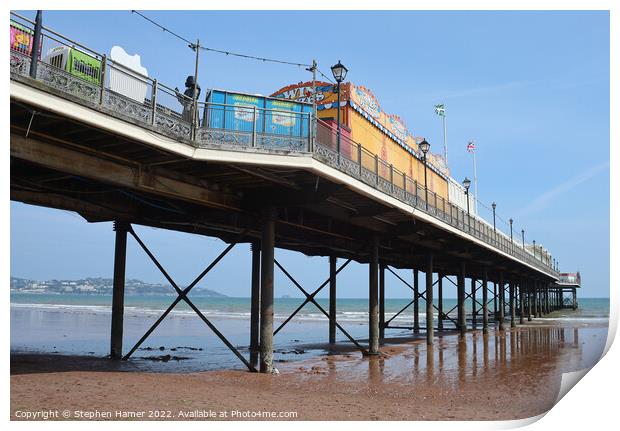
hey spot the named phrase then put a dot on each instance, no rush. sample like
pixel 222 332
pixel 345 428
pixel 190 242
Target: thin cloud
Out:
pixel 541 201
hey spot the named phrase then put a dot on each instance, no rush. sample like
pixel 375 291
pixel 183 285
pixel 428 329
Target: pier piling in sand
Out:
pixel 118 290
pixel 373 318
pixel 462 322
pixel 574 298
pixel 266 291
pixel 416 302
pixel 333 260
pixel 511 293
pixel 381 303
pixel 440 301
pixel 500 290
pixel 538 300
pixel 255 304
pixel 495 315
pixel 473 303
pixel 429 301
pixel 485 301
pixel 521 302
pixel 529 300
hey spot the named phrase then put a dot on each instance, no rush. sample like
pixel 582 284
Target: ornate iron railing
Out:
pixel 112 88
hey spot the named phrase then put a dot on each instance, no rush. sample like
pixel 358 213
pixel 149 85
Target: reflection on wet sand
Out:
pixel 535 351
pixel 508 374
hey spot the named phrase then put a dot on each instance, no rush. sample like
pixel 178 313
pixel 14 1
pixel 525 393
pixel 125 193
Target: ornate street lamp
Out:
pixel 466 184
pixel 424 147
pixel 340 72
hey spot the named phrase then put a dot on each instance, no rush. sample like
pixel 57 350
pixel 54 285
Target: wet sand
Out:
pixel 509 375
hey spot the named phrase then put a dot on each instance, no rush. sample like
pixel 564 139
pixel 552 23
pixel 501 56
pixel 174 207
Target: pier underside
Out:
pixel 271 199
pixel 60 163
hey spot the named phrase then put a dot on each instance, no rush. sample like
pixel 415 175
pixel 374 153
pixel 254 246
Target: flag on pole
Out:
pixel 471 147
pixel 440 110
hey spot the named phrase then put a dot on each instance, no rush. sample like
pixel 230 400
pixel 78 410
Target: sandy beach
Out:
pixel 509 375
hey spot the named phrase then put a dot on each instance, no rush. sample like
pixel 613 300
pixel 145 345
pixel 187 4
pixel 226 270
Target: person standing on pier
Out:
pixel 186 99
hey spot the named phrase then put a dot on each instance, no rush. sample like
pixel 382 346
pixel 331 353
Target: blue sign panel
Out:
pixel 246 113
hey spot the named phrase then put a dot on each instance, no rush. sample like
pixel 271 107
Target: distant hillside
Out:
pixel 100 286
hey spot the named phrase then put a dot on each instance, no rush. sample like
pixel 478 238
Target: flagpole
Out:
pixel 475 182
pixel 445 139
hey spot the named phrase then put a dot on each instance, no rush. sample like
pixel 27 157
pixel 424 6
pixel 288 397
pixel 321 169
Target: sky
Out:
pixel 531 89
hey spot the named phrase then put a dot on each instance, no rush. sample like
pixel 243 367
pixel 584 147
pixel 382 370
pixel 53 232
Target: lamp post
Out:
pixel 340 72
pixel 36 44
pixel 466 184
pixel 424 147
pixel 541 254
pixel 512 248
pixel 534 248
pixel 523 238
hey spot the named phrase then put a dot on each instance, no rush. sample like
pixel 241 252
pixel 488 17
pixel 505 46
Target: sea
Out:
pixel 78 324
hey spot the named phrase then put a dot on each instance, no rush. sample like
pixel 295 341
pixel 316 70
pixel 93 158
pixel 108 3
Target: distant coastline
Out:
pixel 99 286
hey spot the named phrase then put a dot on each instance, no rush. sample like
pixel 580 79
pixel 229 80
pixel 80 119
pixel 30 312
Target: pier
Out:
pixel 77 144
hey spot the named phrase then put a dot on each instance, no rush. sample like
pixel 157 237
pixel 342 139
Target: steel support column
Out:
pixel 511 293
pixel 529 300
pixel 473 303
pixel 495 315
pixel 333 260
pixel 461 300
pixel 500 290
pixel 373 311
pixel 381 303
pixel 255 304
pixel 440 301
pixel 416 302
pixel 118 290
pixel 521 302
pixel 537 299
pixel 485 305
pixel 266 291
pixel 429 301
pixel 541 299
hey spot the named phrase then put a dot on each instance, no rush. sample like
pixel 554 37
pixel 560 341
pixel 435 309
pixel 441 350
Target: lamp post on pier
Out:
pixel 36 44
pixel 424 147
pixel 340 72
pixel 466 184
pixel 523 238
